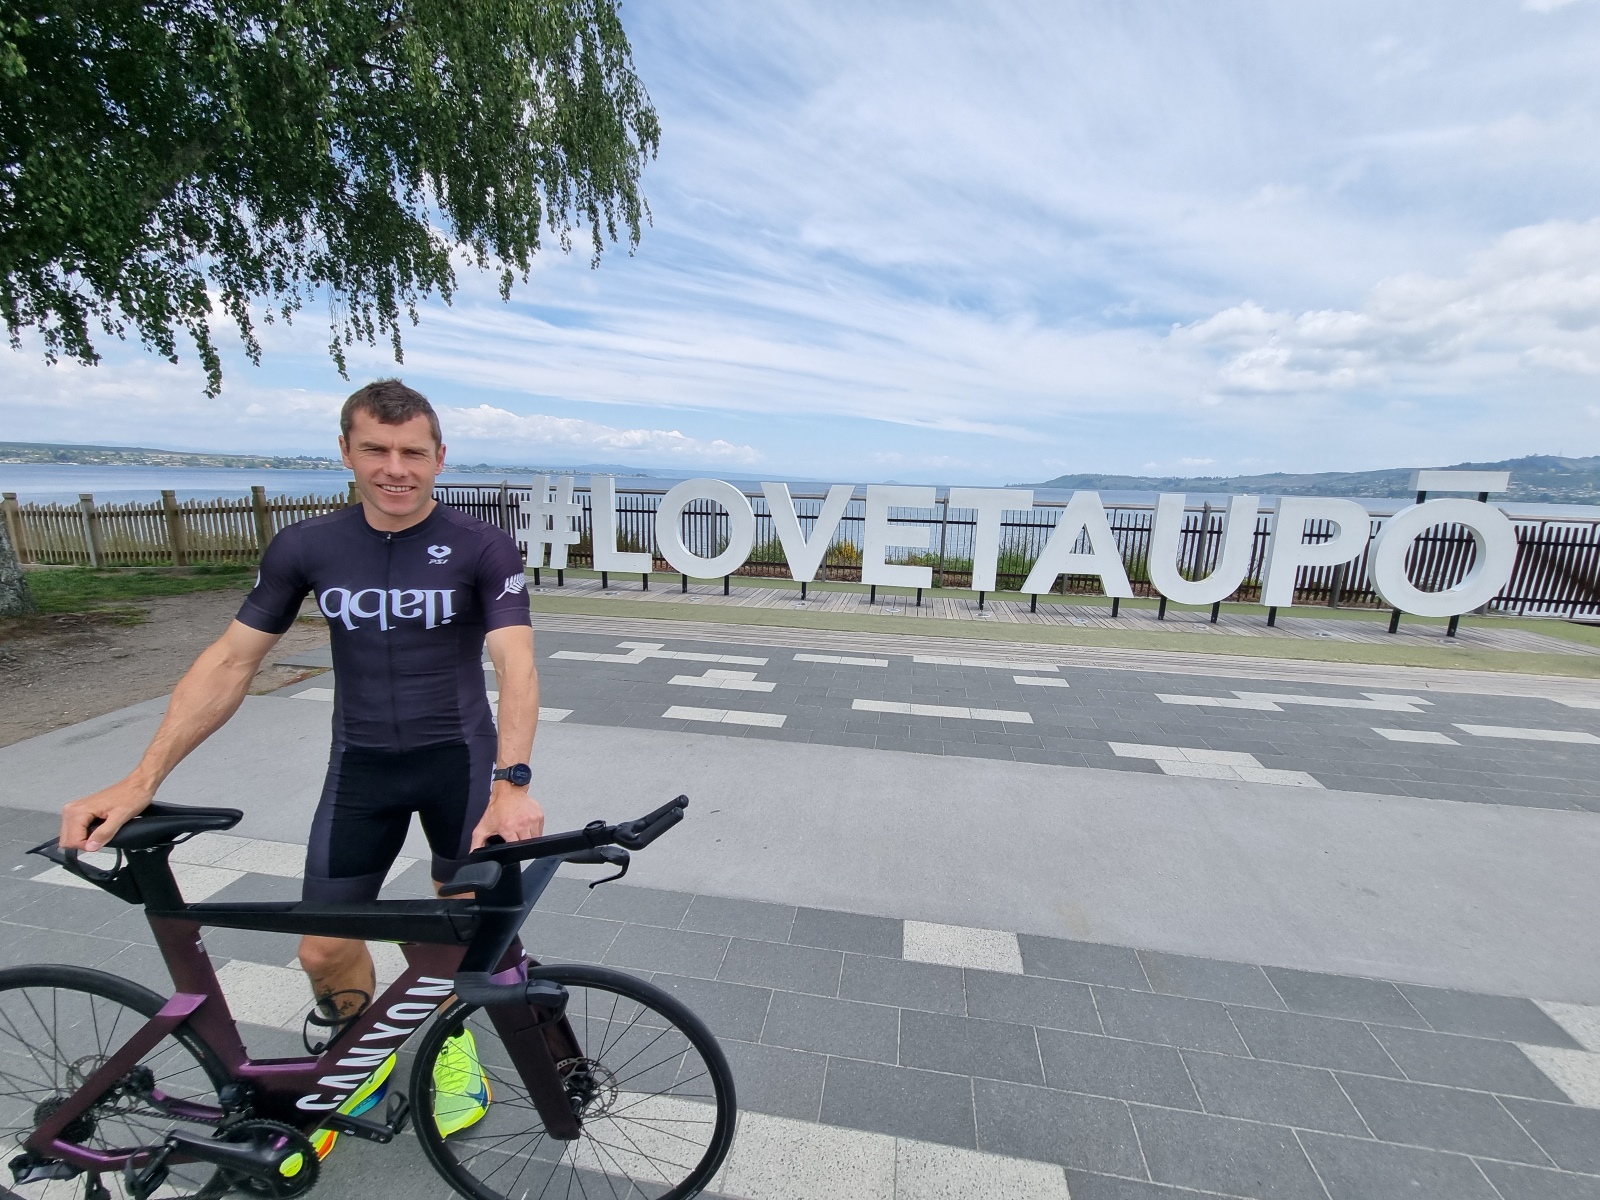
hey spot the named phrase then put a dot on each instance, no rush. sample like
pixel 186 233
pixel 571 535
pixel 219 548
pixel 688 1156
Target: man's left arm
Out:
pixel 513 813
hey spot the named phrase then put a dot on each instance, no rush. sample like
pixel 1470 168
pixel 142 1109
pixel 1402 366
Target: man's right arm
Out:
pixel 208 694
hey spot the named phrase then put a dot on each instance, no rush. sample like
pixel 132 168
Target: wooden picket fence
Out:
pixel 170 531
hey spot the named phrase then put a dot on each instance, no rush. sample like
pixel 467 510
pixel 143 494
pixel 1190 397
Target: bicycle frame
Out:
pixel 303 1091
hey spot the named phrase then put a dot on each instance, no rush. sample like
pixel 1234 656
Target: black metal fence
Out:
pixel 1557 570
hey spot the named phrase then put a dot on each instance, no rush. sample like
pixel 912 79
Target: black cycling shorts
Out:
pixel 365 813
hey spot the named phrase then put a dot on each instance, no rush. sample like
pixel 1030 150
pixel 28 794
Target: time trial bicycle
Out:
pixel 599 1083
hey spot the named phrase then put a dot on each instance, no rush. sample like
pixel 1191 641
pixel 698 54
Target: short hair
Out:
pixel 392 403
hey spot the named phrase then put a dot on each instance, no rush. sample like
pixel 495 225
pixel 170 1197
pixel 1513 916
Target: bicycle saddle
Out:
pixel 161 823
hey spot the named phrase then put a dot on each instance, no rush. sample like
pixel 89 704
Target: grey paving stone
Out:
pixel 144 964
pixel 1170 1020
pixel 252 886
pixel 791 968
pixel 847 1028
pixel 1367 1170
pixel 771 1079
pixel 1086 1132
pixel 900 1101
pixel 1209 979
pixel 1345 996
pixel 1440 1118
pixel 1569 1135
pixel 1085 962
pixel 833 930
pixel 1312 1041
pixel 1537 1183
pixel 557 937
pixel 1220 1154
pixel 1084 1185
pixel 72 909
pixel 739 918
pixel 22 945
pixel 1468 1062
pixel 968 1046
pixel 675 951
pixel 1031 1000
pixel 1102 1066
pixel 1276 1093
pixel 1506 1017
pixel 252 945
pixel 930 987
pixel 563 894
pixel 733 1010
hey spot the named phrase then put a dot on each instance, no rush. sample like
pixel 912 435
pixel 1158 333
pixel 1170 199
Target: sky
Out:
pixel 963 243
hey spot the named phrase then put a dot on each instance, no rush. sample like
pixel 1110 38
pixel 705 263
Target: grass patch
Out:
pixel 81 589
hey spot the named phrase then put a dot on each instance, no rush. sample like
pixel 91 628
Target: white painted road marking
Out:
pixel 1213 764
pixel 843 660
pixel 323 694
pixel 1038 681
pixel 940 660
pixel 1426 737
pixel 637 652
pixel 725 716
pixel 961 946
pixel 1575 1072
pixel 1576 703
pixel 1273 701
pixel 733 681
pixel 1530 735
pixel 943 710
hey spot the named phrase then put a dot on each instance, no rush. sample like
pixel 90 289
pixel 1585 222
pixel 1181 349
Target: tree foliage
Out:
pixel 158 159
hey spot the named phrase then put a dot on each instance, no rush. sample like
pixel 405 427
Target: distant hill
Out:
pixel 1538 478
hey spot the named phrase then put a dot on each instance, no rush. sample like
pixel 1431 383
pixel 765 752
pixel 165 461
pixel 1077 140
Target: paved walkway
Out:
pixel 1094 953
pixel 1295 624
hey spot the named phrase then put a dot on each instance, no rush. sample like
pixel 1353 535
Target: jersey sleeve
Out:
pixel 281 585
pixel 502 584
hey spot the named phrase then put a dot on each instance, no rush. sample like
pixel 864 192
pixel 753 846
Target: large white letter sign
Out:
pixel 804 557
pixel 1289 551
pixel 1083 514
pixel 880 499
pixel 1166 535
pixel 1496 542
pixel 990 503
pixel 603 502
pixel 550 523
pixel 669 528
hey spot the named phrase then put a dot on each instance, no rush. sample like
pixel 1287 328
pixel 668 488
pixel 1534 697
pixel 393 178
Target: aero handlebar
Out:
pixel 631 835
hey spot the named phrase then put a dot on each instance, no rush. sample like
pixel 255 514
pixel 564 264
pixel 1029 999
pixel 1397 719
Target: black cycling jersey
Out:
pixel 407 613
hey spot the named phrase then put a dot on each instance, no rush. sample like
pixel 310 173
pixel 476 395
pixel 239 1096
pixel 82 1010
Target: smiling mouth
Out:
pixel 396 488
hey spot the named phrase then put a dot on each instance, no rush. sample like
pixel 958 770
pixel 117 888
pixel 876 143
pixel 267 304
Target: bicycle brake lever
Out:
pixel 616 856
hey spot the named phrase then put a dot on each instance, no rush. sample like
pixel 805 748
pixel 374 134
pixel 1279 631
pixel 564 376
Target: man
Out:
pixel 411 591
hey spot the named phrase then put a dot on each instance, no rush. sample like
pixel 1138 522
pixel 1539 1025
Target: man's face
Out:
pixel 394 465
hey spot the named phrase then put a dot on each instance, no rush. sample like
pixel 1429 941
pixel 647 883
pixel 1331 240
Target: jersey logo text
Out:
pixel 438 554
pixel 388 606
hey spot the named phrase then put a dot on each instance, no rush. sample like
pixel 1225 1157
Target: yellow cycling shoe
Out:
pixel 460 1088
pixel 363 1100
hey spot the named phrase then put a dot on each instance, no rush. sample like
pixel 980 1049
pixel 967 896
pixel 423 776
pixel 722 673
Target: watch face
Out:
pixel 519 775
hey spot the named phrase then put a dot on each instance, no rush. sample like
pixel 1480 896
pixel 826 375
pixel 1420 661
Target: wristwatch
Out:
pixel 517 774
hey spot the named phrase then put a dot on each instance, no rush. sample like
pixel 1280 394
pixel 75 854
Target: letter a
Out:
pixel 1084 514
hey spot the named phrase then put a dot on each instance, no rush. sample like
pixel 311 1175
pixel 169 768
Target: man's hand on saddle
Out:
pixel 512 814
pixel 113 807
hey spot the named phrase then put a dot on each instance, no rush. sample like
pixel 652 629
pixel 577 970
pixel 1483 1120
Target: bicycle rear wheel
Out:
pixel 652 1089
pixel 58 1024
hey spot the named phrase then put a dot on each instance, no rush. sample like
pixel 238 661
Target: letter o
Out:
pixel 1492 532
pixel 741 528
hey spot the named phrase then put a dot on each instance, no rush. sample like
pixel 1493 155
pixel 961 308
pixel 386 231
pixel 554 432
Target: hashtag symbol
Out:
pixel 549 522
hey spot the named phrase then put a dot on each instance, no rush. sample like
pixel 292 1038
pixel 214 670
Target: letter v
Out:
pixel 805 556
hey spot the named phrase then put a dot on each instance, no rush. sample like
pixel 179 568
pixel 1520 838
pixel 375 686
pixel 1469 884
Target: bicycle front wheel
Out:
pixel 58 1025
pixel 652 1090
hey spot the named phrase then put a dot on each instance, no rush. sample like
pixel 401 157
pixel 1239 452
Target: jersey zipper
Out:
pixel 388 642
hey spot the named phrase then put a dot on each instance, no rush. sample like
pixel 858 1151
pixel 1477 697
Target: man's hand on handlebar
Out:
pixel 113 807
pixel 512 814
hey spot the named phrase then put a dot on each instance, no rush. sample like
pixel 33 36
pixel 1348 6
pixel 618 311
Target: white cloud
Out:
pixel 1532 300
pixel 512 433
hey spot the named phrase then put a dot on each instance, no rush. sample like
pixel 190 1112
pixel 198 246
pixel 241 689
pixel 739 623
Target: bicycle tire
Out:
pixel 471 1159
pixel 51 1068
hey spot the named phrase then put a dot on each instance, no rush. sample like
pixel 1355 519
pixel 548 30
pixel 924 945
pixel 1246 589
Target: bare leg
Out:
pixel 339 965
